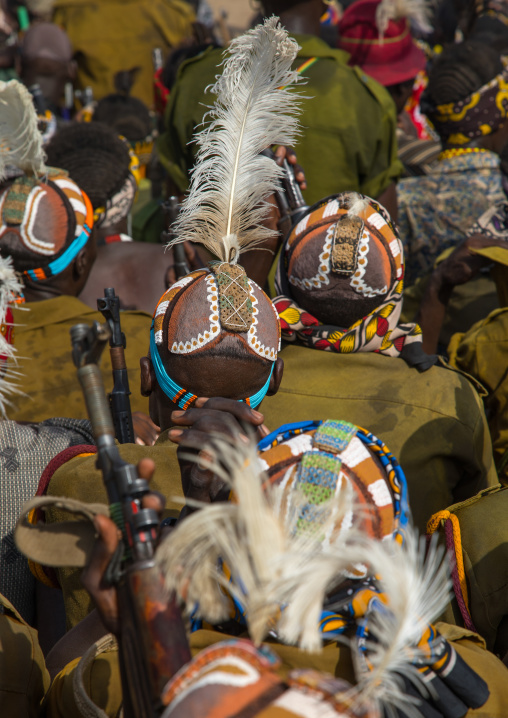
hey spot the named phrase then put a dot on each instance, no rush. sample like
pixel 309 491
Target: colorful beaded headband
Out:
pixel 62 262
pixel 180 396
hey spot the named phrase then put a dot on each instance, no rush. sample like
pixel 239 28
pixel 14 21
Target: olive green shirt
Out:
pixel 43 343
pixel 23 676
pixel 484 544
pixel 103 683
pixel 108 36
pixel 483 353
pixel 79 479
pixel 348 121
pixel 433 422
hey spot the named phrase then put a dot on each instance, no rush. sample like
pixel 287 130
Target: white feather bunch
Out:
pixel 271 565
pixel 9 286
pixel 254 109
pixel 417 589
pixel 357 205
pixel 20 139
pixel 418 13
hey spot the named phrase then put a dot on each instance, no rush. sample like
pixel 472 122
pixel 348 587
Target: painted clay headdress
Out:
pixel 284 549
pixel 345 256
pixel 226 206
pixel 41 210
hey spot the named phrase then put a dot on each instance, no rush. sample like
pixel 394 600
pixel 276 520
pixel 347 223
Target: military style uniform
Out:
pixel 432 422
pixel 43 345
pixel 348 121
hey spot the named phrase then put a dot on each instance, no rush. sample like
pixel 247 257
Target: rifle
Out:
pixel 289 197
pixel 119 402
pixel 152 640
pixel 171 208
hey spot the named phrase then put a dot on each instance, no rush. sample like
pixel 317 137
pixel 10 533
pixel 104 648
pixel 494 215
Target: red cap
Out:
pixel 394 58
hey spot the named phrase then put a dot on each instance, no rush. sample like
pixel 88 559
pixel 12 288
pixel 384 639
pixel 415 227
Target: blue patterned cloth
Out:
pixel 437 210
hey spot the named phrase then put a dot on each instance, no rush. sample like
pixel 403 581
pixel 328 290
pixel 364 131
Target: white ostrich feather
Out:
pixel 417 590
pixel 9 286
pixel 417 12
pixel 270 564
pixel 357 205
pixel 231 181
pixel 20 139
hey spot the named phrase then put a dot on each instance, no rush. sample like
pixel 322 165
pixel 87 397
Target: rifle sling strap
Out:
pixel 66 543
pixel 87 708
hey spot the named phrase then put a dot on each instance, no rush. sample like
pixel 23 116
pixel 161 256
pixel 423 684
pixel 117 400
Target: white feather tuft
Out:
pixel 357 205
pixel 231 181
pixel 416 584
pixel 418 13
pixel 10 286
pixel 20 139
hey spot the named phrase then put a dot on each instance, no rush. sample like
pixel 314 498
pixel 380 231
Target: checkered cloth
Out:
pixel 25 450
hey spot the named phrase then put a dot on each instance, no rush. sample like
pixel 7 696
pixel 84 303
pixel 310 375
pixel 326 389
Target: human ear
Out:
pixel 81 263
pixel 276 377
pixel 147 376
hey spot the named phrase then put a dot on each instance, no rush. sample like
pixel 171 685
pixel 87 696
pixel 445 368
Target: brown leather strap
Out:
pixel 66 543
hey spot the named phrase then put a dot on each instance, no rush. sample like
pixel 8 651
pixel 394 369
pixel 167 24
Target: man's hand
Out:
pixel 93 575
pixel 458 268
pixel 228 417
pixel 289 154
pixel 463 264
pixel 145 431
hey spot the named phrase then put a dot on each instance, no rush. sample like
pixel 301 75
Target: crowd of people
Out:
pixel 292 504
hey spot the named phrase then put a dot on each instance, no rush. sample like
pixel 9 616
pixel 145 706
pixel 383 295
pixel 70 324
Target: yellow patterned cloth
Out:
pixel 477 115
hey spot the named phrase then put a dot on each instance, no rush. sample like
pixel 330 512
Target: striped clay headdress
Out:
pixel 42 211
pixel 340 279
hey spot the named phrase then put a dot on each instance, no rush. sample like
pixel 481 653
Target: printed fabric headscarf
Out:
pixel 477 115
pixel 345 257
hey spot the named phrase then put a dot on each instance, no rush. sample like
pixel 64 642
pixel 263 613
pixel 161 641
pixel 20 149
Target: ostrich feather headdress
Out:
pixel 20 139
pixel 255 108
pixel 272 566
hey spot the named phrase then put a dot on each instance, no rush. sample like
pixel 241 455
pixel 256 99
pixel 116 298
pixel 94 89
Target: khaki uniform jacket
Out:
pixel 112 35
pixel 23 676
pixel 483 540
pixel 43 343
pixel 483 353
pixel 348 123
pixel 432 422
pixel 80 479
pixel 103 684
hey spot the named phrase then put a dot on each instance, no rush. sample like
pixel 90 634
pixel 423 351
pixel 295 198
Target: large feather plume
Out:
pixel 20 139
pixel 10 286
pixel 254 109
pixel 415 581
pixel 272 566
pixel 270 563
pixel 417 12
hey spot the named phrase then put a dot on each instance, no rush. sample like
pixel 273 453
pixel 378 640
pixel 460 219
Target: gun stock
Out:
pixel 152 640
